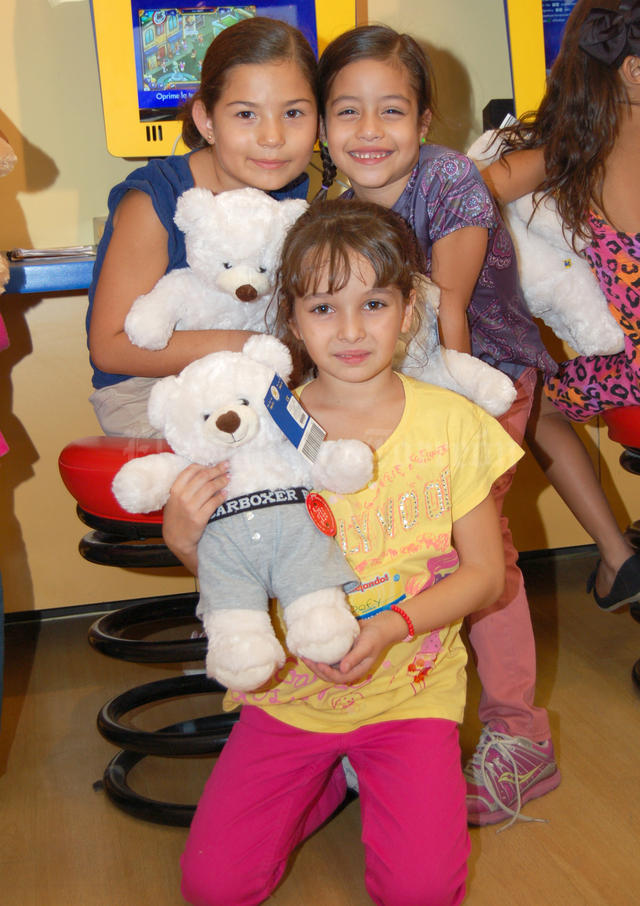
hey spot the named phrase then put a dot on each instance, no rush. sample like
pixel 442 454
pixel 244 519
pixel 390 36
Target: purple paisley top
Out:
pixel 445 192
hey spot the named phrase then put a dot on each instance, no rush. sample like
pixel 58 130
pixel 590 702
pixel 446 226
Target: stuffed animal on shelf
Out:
pixel 426 360
pixel 558 284
pixel 262 542
pixel 233 242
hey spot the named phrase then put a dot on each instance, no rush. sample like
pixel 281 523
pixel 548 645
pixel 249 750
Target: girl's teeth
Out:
pixel 371 155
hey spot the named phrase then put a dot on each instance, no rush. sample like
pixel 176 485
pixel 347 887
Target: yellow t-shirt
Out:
pixel 438 464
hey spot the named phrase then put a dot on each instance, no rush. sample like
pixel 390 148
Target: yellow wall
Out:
pixel 51 113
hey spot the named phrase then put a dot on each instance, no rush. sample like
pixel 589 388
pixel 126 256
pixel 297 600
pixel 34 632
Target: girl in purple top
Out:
pixel 374 89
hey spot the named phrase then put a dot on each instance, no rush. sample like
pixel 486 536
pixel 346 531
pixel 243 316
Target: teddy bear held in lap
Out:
pixel 260 547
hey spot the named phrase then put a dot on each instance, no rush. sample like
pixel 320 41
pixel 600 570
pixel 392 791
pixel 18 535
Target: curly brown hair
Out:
pixel 577 123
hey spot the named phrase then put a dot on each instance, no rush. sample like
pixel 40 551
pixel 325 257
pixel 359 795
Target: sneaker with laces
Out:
pixel 504 773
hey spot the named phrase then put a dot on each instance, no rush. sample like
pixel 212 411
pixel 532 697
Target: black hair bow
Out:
pixel 610 35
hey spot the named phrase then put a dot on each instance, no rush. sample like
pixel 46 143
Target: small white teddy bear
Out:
pixel 257 545
pixel 558 285
pixel 233 242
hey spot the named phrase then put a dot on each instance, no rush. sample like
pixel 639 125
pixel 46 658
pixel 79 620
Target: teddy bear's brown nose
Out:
pixel 228 422
pixel 246 293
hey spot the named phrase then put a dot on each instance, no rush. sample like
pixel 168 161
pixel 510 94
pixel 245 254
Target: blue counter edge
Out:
pixel 49 275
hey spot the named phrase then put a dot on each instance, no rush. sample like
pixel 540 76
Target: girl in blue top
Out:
pixel 252 122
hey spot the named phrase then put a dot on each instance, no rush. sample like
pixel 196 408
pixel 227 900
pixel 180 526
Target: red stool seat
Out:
pixel 88 466
pixel 623 425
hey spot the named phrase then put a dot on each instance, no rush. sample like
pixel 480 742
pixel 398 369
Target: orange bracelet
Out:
pixel 405 616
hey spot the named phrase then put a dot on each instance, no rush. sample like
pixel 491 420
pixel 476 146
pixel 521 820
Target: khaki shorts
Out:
pixel 121 408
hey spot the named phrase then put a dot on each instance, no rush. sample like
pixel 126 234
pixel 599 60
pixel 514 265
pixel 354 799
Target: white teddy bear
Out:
pixel 257 545
pixel 558 285
pixel 233 242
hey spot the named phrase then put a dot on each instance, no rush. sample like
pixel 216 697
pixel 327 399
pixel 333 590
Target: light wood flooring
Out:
pixel 62 843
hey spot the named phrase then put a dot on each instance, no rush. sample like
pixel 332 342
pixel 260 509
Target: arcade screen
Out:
pixel 554 18
pixel 170 43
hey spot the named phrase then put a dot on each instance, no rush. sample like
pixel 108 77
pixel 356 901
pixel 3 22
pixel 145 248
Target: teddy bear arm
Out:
pixel 466 375
pixel 484 385
pixel 153 316
pixel 343 466
pixel 143 484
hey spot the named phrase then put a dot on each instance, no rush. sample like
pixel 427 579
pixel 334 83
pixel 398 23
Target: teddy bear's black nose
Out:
pixel 246 293
pixel 228 422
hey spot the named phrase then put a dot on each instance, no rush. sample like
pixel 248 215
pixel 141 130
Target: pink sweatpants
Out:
pixel 274 784
pixel 501 635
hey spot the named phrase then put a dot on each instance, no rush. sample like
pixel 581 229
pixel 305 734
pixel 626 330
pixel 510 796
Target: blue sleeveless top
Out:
pixel 164 180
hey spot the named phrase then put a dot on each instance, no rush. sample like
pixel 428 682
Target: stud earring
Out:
pixel 423 140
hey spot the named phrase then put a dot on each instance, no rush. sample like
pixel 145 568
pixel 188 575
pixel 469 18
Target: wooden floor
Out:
pixel 62 843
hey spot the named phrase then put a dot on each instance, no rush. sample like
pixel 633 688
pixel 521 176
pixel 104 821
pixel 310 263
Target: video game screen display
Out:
pixel 554 18
pixel 170 43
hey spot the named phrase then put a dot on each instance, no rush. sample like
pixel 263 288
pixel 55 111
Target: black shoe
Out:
pixel 625 588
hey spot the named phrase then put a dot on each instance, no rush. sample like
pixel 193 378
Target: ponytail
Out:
pixel 329 171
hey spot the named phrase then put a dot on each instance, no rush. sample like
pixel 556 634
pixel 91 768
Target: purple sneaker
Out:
pixel 504 773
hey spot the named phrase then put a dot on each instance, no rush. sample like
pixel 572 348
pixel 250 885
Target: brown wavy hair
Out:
pixel 256 40
pixel 577 123
pixel 321 245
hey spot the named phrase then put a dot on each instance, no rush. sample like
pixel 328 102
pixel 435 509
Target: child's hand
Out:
pixel 195 495
pixel 376 636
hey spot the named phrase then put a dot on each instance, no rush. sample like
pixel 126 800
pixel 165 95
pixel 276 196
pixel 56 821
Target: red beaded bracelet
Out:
pixel 405 616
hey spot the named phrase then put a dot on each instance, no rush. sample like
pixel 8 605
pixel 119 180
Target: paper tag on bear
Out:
pixel 296 424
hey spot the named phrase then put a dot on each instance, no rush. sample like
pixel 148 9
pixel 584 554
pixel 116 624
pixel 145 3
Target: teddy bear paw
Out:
pixel 243 651
pixel 321 626
pixel 147 329
pixel 244 663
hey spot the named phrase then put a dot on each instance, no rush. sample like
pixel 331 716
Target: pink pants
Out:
pixel 501 635
pixel 274 784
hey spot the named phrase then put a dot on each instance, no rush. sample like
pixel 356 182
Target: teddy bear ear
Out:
pixel 269 351
pixel 160 393
pixel 192 207
pixel 290 209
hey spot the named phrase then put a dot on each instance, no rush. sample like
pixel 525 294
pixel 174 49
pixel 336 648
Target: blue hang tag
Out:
pixel 296 424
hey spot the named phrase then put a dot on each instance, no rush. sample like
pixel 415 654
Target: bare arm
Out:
pixel 456 262
pixel 516 174
pixel 477 583
pixel 135 260
pixel 195 496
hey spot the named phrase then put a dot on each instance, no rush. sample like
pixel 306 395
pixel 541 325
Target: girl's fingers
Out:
pixel 334 675
pixel 195 477
pixel 200 487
